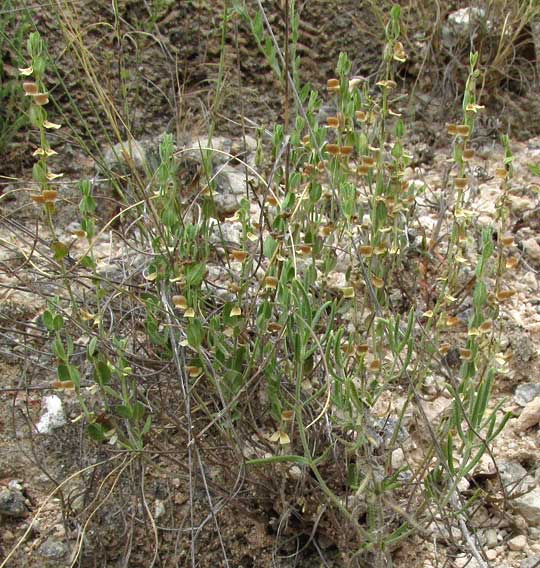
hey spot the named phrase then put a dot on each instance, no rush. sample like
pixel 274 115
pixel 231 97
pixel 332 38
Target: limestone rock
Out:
pixel 528 505
pixel 530 562
pixel 518 543
pixel 124 151
pixel 398 458
pixel 460 23
pixel 530 416
pixel 532 249
pixel 231 188
pixel 526 392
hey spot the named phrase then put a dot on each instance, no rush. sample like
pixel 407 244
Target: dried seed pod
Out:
pixel 512 263
pixel 332 149
pixel 333 84
pixel 501 173
pixel 41 98
pixel 369 161
pixel 461 183
pixel 348 292
pixel 332 122
pixel 507 240
pixel 50 195
pixel 366 250
pixel 486 326
pixel 360 116
pixel 503 295
pixel 30 88
pixel 468 154
pixel 399 53
pixel 465 354
pixel 179 302
pixel 239 255
pixel 444 348
pixel 363 170
pixel 271 282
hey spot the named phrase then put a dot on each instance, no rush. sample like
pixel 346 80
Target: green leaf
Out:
pixel 92 346
pixel 195 333
pixel 534 169
pixel 58 349
pixel 147 425
pixel 124 411
pixel 88 262
pixel 102 373
pixel 58 322
pixel 48 320
pixel 269 247
pixel 194 274
pixel 63 373
pixel 138 410
pixel 97 432
pixel 75 375
pixel 60 250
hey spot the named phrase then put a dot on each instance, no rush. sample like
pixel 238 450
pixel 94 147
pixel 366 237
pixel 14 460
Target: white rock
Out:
pixel 518 543
pixel 54 415
pixel 118 153
pixel 398 458
pixel 459 24
pixel 231 188
pixel 491 554
pixel 491 538
pixel 159 508
pixel 532 248
pixel 466 562
pixel 435 408
pixel 518 204
pixel 526 392
pixel 531 281
pixel 336 280
pixel 462 18
pixel 295 472
pixel 529 506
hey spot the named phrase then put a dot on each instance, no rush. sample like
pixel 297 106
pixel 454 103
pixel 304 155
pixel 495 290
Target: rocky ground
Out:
pixel 39 436
pixel 40 432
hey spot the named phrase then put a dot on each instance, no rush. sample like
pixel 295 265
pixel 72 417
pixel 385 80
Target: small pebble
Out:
pixel 398 458
pixel 491 538
pixel 518 543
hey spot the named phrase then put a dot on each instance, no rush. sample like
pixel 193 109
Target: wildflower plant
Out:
pixel 327 309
